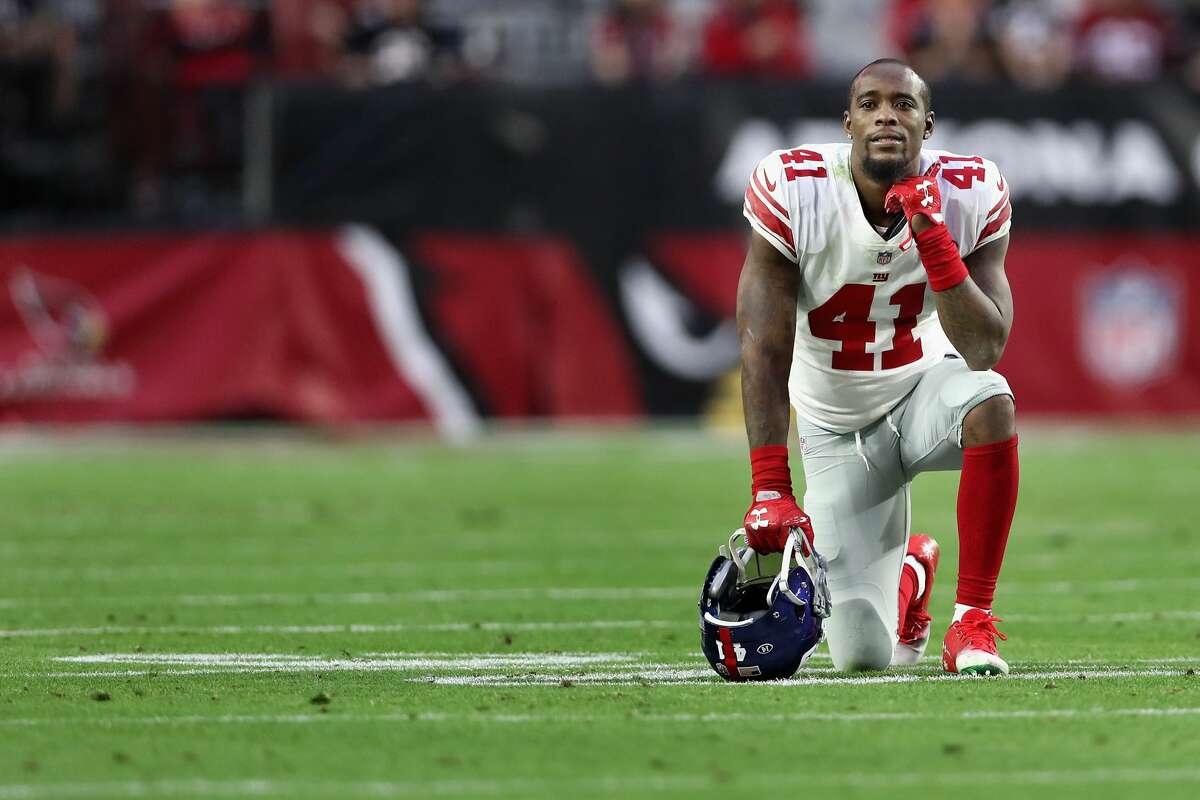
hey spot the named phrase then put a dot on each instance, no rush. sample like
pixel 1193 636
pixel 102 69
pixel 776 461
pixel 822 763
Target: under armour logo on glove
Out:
pixel 925 188
pixel 768 523
pixel 918 194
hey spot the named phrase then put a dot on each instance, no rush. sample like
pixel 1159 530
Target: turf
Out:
pixel 298 618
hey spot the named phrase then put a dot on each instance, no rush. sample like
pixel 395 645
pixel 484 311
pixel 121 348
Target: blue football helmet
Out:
pixel 761 627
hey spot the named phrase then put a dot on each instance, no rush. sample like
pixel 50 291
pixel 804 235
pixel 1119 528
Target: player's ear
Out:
pixel 928 125
pixel 846 124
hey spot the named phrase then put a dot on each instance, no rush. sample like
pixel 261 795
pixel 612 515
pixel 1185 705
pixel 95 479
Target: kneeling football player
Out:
pixel 874 298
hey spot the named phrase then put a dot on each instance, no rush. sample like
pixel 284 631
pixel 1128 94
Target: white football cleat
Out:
pixel 970 645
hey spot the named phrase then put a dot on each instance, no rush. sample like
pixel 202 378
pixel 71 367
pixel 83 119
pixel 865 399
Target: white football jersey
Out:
pixel 866 322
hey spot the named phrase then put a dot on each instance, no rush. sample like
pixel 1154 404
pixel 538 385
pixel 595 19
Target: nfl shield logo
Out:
pixel 1130 327
pixel 883 257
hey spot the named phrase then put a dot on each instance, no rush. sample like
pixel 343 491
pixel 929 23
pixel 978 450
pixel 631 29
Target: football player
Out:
pixel 874 298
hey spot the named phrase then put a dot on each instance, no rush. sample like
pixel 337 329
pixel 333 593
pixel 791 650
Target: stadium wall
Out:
pixel 354 323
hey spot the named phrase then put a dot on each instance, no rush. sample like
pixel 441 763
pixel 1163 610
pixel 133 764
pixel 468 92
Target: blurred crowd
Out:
pixel 163 83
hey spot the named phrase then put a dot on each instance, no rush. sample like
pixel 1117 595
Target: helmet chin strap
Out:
pixel 780 584
pixel 735 557
pixel 814 564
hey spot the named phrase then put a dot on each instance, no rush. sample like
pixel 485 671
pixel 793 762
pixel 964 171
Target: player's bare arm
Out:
pixel 766 324
pixel 766 321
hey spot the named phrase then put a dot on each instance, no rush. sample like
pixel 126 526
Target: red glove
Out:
pixel 919 194
pixel 774 511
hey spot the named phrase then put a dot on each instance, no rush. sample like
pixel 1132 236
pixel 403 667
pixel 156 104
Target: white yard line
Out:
pixel 363 628
pixel 382 569
pixel 561 593
pixel 522 669
pixel 433 717
pixel 604 593
pixel 290 663
pixel 1174 615
pixel 666 676
pixel 642 785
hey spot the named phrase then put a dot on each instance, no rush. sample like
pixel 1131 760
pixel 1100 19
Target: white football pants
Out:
pixel 857 494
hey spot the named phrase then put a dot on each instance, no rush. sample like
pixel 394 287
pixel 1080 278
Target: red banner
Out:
pixel 320 327
pixel 1105 324
pixel 345 325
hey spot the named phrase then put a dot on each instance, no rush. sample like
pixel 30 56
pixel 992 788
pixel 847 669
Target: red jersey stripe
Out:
pixel 997 223
pixel 998 206
pixel 769 221
pixel 770 200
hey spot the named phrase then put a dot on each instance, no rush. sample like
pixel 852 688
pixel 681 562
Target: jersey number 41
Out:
pixel 846 318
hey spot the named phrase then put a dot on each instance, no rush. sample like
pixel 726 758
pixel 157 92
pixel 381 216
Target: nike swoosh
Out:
pixel 1000 183
pixel 767 181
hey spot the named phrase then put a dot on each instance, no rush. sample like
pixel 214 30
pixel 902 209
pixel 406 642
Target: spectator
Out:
pixel 637 41
pixel 757 38
pixel 948 40
pixel 215 42
pixel 391 41
pixel 1123 41
pixel 190 65
pixel 38 64
pixel 1033 41
pixel 309 36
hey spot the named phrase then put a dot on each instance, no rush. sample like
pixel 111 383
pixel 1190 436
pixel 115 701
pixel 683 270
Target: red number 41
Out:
pixel 846 318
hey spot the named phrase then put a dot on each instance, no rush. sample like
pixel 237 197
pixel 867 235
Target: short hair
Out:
pixel 925 93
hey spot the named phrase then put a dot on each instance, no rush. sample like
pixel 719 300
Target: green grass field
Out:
pixel 289 618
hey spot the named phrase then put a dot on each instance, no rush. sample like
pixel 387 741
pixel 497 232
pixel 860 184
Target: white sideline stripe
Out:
pixel 607 593
pixel 644 674
pixel 519 719
pixel 397 627
pixel 382 569
pixel 542 668
pixel 471 661
pixel 679 677
pixel 316 663
pixel 458 627
pixel 384 274
pixel 642 784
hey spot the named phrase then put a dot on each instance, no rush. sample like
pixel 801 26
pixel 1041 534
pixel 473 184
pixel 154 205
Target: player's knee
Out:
pixel 993 420
pixel 859 639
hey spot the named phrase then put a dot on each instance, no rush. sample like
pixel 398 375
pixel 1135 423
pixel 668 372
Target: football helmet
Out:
pixel 757 623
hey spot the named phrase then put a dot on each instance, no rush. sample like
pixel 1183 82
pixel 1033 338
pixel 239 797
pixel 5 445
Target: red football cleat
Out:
pixel 914 634
pixel 970 646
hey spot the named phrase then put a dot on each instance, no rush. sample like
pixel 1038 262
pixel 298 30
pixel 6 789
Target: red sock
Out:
pixel 987 497
pixel 908 590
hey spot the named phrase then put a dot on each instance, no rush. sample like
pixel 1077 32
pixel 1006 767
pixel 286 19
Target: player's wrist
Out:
pixel 769 470
pixel 920 223
pixel 940 257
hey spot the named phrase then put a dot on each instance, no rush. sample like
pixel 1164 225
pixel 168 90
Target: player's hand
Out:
pixel 770 518
pixel 916 196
